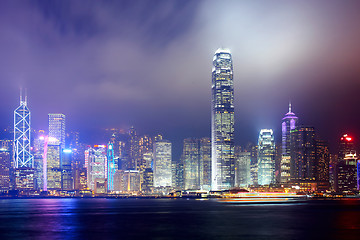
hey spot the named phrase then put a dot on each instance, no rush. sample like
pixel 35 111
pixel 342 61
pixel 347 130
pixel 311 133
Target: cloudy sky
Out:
pixel 148 64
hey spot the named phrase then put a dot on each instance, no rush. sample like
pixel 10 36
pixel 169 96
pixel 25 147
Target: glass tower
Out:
pixel 162 163
pixel 57 127
pixel 22 118
pixel 266 157
pixel 288 124
pixel 222 121
pixel 191 158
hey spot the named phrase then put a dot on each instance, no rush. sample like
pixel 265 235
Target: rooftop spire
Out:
pixel 20 95
pixel 289 106
pixel 25 96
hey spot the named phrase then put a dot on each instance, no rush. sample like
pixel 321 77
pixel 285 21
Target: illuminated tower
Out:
pixel 57 127
pixel 162 163
pixel 222 121
pixel 288 123
pixel 346 166
pixel 303 164
pixel 205 163
pixel 22 121
pixel 53 164
pixel 97 165
pixel 67 180
pixel 111 167
pixel 191 157
pixel 266 157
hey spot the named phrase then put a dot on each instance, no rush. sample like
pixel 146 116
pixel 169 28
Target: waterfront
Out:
pixel 71 218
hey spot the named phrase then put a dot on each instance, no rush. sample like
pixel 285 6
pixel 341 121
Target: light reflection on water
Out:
pixel 176 219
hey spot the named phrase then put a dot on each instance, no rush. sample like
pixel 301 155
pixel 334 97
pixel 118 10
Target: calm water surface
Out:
pixel 176 219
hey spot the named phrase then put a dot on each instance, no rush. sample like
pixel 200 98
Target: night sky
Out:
pixel 148 64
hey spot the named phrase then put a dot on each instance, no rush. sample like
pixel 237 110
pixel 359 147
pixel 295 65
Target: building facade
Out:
pixel 288 124
pixel 222 121
pixel 97 165
pixel 22 139
pixel 57 127
pixel 346 166
pixel 53 165
pixel 67 180
pixel 303 154
pixel 162 163
pixel 266 157
pixel 191 157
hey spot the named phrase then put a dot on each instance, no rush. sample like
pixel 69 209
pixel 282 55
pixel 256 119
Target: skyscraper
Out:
pixel 266 157
pixel 346 166
pixel 222 121
pixel 205 163
pixel 111 166
pixel 57 127
pixel 23 159
pixel 67 181
pixel 53 165
pixel 288 123
pixel 4 169
pixel 191 157
pixel 162 163
pixel 242 173
pixel 97 165
pixel 22 129
pixel 303 154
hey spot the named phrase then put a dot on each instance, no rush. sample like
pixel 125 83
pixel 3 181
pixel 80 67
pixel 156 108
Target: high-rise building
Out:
pixel 148 183
pixel 131 181
pixel 23 159
pixel 253 149
pixel 53 165
pixel 79 176
pixel 97 165
pixel 144 149
pixel 346 166
pixel 222 121
pixel 205 163
pixel 322 164
pixel 133 150
pixel 111 167
pixel 38 152
pixel 67 181
pixel 4 169
pixel 22 145
pixel 162 163
pixel 191 157
pixel 242 173
pixel 288 124
pixel 303 154
pixel 57 127
pixel 266 157
pixel 179 173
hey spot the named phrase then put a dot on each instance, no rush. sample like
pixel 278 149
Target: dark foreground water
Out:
pixel 176 219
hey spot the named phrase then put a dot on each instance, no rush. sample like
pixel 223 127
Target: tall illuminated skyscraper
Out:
pixel 162 163
pixel 22 122
pixel 303 154
pixel 222 121
pixel 57 127
pixel 266 157
pixel 205 163
pixel 97 165
pixel 53 165
pixel 346 166
pixel 288 124
pixel 191 156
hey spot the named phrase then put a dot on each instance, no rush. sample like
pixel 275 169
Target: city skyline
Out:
pixel 179 119
pixel 267 73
